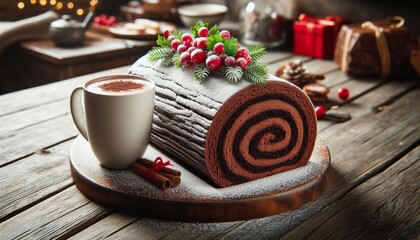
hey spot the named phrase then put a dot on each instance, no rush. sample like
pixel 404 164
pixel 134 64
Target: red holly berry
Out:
pixel 111 21
pixel 222 57
pixel 230 61
pixel 203 32
pixel 185 58
pixel 225 34
pixel 202 43
pixel 187 37
pixel 213 62
pixel 219 48
pixel 166 33
pixel 191 49
pixel 343 93
pixel 320 111
pixel 175 43
pixel 242 52
pixel 198 56
pixel 181 48
pixel 241 62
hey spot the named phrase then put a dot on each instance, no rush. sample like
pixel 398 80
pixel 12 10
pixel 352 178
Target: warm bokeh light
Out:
pixel 59 5
pixel 93 3
pixel 70 5
pixel 53 2
pixel 80 12
pixel 33 1
pixel 43 2
pixel 21 5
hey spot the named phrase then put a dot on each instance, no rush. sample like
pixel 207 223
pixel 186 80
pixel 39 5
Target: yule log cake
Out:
pixel 230 133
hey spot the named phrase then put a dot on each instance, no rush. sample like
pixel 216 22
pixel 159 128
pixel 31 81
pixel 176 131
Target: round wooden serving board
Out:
pixel 195 199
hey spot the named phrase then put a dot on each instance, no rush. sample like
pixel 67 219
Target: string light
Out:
pixel 80 12
pixel 21 5
pixel 60 4
pixel 70 5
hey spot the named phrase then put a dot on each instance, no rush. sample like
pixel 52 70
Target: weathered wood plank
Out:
pixel 40 113
pixel 28 140
pixel 61 215
pixel 384 207
pixel 106 228
pixel 360 148
pixel 365 97
pixel 34 178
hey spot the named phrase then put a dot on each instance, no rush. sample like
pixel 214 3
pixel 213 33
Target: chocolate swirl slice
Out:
pixel 260 131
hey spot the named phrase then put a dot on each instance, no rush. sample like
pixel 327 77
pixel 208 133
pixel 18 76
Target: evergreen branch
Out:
pixel 231 46
pixel 256 51
pixel 201 73
pixel 233 74
pixel 256 73
pixel 176 60
pixel 163 41
pixel 157 53
pixel 214 31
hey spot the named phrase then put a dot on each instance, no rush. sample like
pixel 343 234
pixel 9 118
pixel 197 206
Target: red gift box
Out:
pixel 316 37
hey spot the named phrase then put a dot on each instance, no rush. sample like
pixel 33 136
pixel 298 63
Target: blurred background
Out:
pixel 353 10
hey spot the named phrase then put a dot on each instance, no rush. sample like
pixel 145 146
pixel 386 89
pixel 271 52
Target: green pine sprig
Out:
pixel 256 51
pixel 158 53
pixel 256 73
pixel 201 73
pixel 233 74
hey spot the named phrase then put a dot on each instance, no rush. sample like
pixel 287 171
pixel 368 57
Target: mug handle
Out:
pixel 77 111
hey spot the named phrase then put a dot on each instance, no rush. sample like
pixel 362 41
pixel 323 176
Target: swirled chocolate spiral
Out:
pixel 260 131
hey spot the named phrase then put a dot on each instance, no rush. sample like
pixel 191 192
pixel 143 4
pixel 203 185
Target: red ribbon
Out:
pixel 158 164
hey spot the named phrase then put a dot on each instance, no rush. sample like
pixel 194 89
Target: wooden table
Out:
pixel 373 190
pixel 45 63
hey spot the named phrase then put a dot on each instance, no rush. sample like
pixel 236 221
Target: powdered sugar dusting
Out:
pixel 192 188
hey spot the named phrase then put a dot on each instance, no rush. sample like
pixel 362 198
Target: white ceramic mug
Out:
pixel 117 124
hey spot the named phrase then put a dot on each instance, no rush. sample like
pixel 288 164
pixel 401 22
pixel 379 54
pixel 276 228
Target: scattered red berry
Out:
pixel 225 34
pixel 166 33
pixel 203 32
pixel 230 61
pixel 185 58
pixel 241 62
pixel 198 56
pixel 219 48
pixel 213 62
pixel 181 48
pixel 103 19
pixel 187 37
pixel 320 111
pixel 175 43
pixel 343 93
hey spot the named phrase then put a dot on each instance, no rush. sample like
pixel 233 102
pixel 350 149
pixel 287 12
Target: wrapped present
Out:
pixel 376 49
pixel 316 37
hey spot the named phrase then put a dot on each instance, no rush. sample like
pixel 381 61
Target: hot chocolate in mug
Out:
pixel 115 116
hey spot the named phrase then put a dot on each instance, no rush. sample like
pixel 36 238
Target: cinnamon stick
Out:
pixel 175 180
pixel 149 164
pixel 154 177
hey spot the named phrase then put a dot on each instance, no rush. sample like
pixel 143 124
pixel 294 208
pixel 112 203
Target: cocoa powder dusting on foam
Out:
pixel 121 85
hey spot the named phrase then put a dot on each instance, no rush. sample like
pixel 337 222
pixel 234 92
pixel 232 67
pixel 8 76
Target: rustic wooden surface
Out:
pixel 372 192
